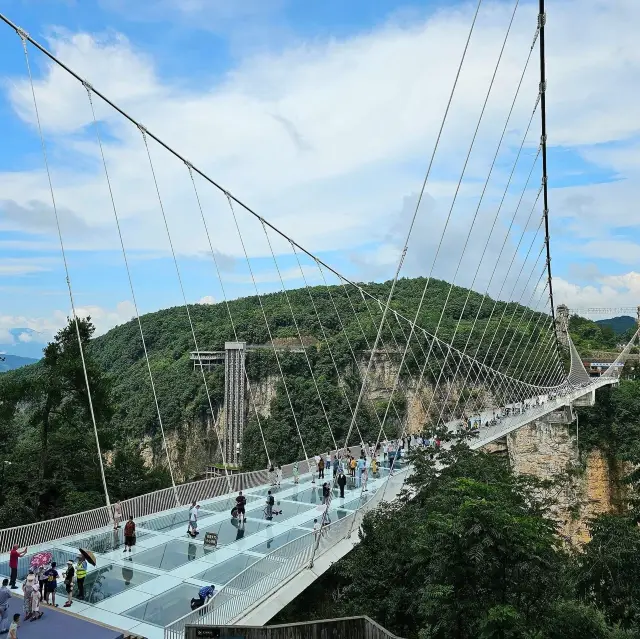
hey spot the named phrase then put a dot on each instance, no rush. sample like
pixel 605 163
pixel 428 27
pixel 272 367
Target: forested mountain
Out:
pixel 619 325
pixel 44 420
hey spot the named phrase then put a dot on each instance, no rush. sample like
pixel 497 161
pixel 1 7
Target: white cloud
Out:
pixel 207 299
pixel 609 291
pixel 105 319
pixel 327 139
pixel 318 136
pixel 18 266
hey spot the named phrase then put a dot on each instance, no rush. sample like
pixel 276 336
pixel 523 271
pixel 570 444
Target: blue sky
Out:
pixel 322 117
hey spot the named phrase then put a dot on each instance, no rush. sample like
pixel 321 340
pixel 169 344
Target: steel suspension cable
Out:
pixel 498 210
pixel 444 231
pixel 341 383
pixel 519 328
pixel 521 298
pixel 413 220
pixel 227 193
pixel 24 37
pixel 132 289
pixel 349 344
pixel 226 302
pixel 504 281
pixel 184 298
pixel 497 262
pixel 364 335
pixel 397 345
pixel 304 350
pixel 266 321
pixel 519 303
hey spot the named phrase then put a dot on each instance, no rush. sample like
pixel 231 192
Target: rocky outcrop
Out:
pixel 262 392
pixel 583 488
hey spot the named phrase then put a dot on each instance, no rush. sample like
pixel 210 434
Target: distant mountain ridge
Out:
pixel 11 362
pixel 25 343
pixel 619 325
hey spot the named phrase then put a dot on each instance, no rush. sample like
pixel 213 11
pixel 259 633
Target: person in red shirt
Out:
pixel 14 555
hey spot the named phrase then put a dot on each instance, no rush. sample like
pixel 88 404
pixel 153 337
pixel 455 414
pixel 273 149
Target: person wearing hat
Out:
pixel 68 583
pixel 27 589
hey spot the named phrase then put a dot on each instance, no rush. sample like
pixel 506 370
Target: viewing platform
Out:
pixel 148 591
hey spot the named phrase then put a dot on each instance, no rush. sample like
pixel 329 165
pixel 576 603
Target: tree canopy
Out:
pixel 470 552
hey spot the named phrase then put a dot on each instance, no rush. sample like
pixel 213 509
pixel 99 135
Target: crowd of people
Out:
pixel 39 588
pixel 476 423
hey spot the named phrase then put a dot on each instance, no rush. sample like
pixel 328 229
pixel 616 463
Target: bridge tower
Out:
pixel 234 399
pixel 562 323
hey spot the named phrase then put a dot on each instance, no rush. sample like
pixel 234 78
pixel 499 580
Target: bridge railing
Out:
pixel 245 591
pixel 68 526
pixel 42 532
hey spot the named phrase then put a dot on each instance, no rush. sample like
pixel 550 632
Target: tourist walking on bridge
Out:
pixel 68 583
pixel 129 535
pixel 36 597
pixel 342 482
pixel 192 531
pixel 117 515
pixel 27 590
pixel 270 504
pixel 51 584
pixel 321 468
pixel 241 502
pixel 326 493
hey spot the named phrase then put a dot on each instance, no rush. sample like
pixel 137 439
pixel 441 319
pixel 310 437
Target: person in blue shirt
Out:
pixel 204 594
pixel 51 584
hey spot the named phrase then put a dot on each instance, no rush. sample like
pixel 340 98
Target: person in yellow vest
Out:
pixel 374 467
pixel 81 573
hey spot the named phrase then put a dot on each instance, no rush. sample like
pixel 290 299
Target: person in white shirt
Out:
pixel 193 520
pixel 13 628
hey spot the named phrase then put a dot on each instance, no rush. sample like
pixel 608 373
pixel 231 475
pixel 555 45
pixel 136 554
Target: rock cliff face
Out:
pixel 583 489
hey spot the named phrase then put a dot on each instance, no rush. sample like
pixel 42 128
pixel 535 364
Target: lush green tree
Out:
pixel 608 571
pixel 470 554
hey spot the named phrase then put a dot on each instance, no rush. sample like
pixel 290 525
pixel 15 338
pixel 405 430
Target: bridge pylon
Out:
pixel 562 323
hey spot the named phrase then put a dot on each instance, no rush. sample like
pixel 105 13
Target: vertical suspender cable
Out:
pixel 143 131
pixel 24 37
pixel 226 302
pixel 405 248
pixel 133 293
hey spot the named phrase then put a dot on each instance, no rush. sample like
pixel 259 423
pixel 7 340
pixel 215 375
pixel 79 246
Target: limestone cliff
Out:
pixel 584 487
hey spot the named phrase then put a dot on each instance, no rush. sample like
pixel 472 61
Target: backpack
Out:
pixel 270 500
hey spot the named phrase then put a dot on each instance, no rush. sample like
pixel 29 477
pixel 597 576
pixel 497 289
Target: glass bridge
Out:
pixel 148 592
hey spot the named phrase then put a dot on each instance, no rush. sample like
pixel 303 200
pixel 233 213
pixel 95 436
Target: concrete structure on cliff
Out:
pixel 234 418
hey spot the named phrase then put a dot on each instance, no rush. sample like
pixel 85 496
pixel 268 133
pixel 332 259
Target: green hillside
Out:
pixel 44 422
pixel 619 325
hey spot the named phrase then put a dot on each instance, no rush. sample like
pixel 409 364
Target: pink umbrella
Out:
pixel 41 559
